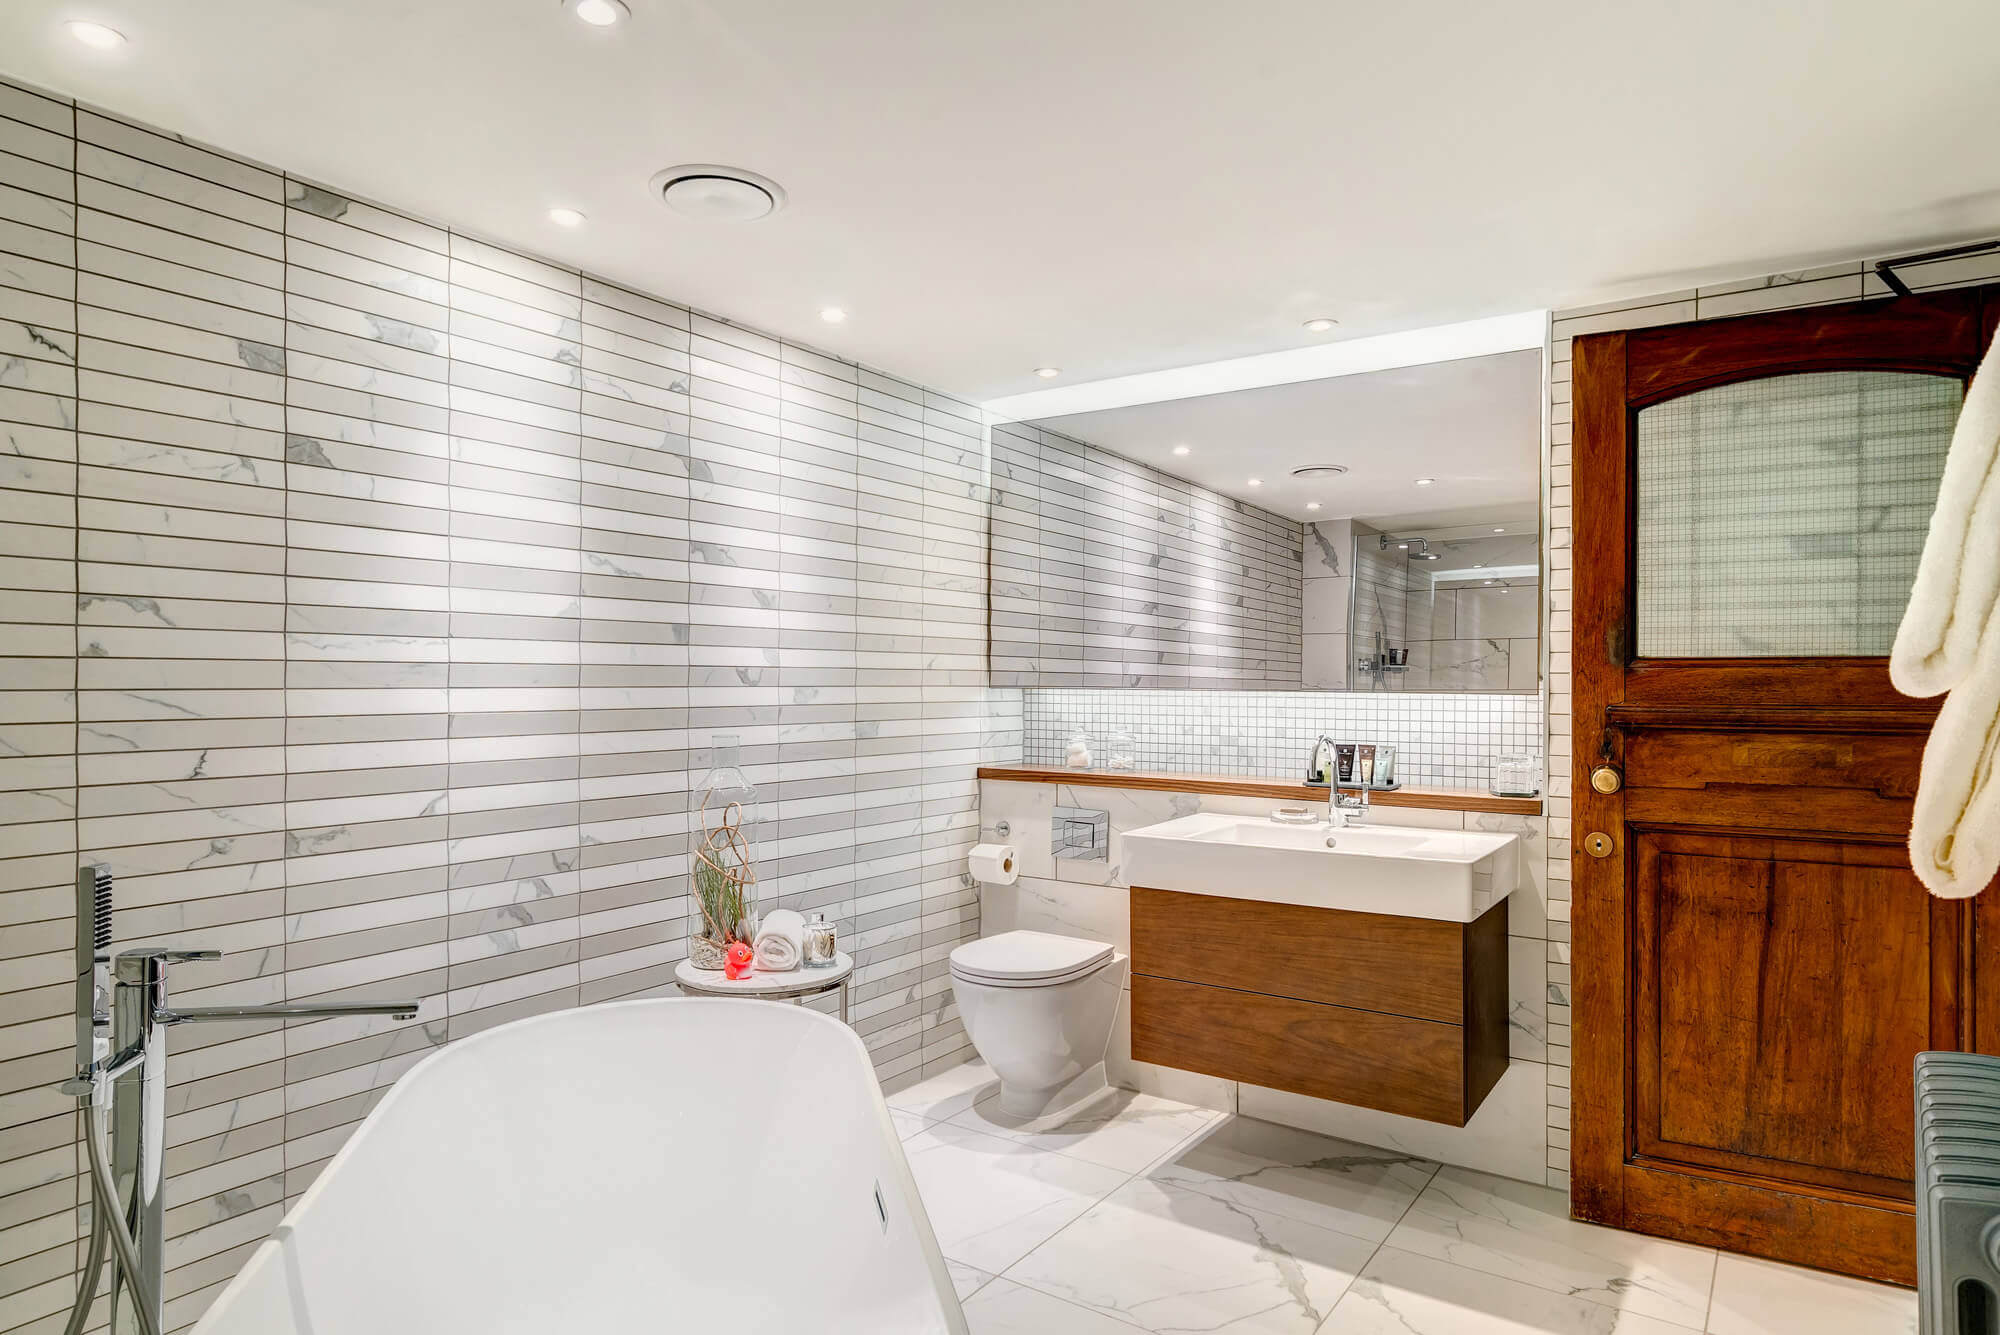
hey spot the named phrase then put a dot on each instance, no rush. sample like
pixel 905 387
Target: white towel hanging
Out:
pixel 1957 590
pixel 1955 834
pixel 1950 641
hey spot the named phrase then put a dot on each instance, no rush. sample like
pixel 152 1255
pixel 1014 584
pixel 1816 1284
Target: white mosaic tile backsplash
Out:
pixel 1445 741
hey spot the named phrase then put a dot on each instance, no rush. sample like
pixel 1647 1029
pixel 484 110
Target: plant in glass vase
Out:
pixel 725 863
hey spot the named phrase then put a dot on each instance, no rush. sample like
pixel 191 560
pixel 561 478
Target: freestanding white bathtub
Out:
pixel 680 1165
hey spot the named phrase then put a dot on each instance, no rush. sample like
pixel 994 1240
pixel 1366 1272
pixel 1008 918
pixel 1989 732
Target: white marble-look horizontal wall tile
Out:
pixel 1325 607
pixel 1231 805
pixel 1026 808
pixel 1081 909
pixel 1527 908
pixel 1329 549
pixel 1527 998
pixel 1423 818
pixel 1324 662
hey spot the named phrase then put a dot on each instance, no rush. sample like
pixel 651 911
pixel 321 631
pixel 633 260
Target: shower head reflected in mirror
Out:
pixel 1423 550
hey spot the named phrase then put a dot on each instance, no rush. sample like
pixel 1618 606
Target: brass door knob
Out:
pixel 1606 779
pixel 1598 844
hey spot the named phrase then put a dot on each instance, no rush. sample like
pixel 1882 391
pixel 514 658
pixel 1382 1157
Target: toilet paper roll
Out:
pixel 994 862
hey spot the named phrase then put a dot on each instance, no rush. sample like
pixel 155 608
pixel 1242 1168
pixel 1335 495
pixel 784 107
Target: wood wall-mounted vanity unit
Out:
pixel 1406 1015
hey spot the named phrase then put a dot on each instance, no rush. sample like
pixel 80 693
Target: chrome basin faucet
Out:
pixel 1350 808
pixel 1319 762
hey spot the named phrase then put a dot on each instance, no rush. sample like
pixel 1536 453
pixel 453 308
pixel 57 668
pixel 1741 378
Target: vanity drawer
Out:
pixel 1408 1015
pixel 1392 1062
pixel 1373 961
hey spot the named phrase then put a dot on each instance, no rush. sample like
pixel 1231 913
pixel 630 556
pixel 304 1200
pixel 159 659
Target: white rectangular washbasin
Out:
pixel 1449 875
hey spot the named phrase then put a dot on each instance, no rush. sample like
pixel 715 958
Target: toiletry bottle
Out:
pixel 1343 762
pixel 1364 764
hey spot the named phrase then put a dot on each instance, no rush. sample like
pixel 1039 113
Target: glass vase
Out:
pixel 723 868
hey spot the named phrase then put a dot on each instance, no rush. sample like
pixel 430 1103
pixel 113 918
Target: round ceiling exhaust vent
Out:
pixel 1320 470
pixel 718 194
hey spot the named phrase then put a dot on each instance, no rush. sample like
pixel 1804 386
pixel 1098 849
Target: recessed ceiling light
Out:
pixel 833 315
pixel 1256 481
pixel 718 194
pixel 1048 372
pixel 1479 565
pixel 1499 530
pixel 1312 505
pixel 1321 324
pixel 95 35
pixel 601 13
pixel 1402 546
pixel 1425 481
pixel 1180 450
pixel 566 217
pixel 1492 581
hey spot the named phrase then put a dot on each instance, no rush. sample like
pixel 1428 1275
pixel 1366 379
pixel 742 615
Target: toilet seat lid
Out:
pixel 1026 956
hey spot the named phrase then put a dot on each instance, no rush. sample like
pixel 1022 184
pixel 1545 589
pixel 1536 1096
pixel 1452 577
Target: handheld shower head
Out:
pixel 93 964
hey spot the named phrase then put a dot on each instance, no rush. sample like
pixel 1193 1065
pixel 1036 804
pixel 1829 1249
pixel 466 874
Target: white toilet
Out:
pixel 1039 1009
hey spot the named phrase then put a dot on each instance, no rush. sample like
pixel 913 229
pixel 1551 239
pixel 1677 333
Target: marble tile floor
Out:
pixel 1139 1213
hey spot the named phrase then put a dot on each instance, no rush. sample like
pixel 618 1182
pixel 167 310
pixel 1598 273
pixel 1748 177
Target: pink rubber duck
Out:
pixel 736 960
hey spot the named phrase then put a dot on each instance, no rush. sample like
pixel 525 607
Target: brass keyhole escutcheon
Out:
pixel 1598 844
pixel 1605 779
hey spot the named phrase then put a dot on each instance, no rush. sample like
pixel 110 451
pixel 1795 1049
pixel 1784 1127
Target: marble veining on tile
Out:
pixel 1250 1226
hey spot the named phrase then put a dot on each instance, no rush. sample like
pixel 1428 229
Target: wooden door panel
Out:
pixel 1854 1234
pixel 1755 966
pixel 1884 766
pixel 1752 807
pixel 1788 986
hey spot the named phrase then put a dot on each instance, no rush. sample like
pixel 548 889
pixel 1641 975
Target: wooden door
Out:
pixel 1755 965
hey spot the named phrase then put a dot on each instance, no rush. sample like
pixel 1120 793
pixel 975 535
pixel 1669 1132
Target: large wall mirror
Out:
pixel 1374 532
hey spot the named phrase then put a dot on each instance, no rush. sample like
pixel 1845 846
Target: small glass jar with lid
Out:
pixel 1121 750
pixel 1516 774
pixel 821 946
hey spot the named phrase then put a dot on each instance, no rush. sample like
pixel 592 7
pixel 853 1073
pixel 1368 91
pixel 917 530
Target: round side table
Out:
pixel 793 985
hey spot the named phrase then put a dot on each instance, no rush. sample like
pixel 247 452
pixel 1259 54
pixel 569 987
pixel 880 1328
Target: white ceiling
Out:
pixel 1475 426
pixel 1107 187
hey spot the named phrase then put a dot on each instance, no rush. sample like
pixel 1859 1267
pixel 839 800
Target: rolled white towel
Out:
pixel 1957 591
pixel 780 941
pixel 1955 832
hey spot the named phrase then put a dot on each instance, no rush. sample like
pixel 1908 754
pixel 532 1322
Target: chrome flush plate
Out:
pixel 1079 834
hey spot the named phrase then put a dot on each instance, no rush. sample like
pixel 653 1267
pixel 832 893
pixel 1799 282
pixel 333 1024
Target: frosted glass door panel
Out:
pixel 1784 516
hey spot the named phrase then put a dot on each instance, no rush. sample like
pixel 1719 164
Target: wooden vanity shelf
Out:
pixel 1408 1015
